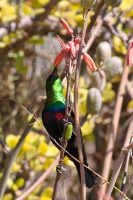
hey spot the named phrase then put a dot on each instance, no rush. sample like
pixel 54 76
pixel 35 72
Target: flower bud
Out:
pixel 72 49
pixel 103 53
pixel 113 3
pixel 87 4
pixel 89 62
pixel 61 41
pixel 58 59
pixel 99 80
pixel 113 67
pixel 66 26
pixel 94 101
pixel 77 40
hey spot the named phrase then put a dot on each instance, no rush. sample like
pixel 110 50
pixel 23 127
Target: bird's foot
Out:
pixel 60 169
pixel 66 122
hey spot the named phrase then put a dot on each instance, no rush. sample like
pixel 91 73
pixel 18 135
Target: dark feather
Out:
pixel 53 120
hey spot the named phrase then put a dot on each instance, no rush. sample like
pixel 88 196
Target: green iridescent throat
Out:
pixel 55 96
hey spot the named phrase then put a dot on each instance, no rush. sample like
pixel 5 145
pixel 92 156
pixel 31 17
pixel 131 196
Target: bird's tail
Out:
pixel 90 178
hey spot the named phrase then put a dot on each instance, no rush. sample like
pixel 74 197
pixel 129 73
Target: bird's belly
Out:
pixel 54 131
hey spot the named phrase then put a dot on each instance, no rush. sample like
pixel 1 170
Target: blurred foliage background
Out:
pixel 28 46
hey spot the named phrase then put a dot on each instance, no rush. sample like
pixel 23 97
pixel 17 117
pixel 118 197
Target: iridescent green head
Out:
pixel 54 88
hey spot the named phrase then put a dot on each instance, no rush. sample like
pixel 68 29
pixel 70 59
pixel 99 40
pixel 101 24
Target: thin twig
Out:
pixel 95 16
pixel 126 166
pixel 77 125
pixel 19 13
pixel 129 90
pixel 126 188
pixel 5 148
pixel 94 35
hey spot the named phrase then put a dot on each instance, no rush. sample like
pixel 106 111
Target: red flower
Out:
pixel 70 50
pixel 58 59
pixel 66 26
pixel 129 56
pixel 89 62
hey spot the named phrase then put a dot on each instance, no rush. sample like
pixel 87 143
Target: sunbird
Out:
pixel 53 116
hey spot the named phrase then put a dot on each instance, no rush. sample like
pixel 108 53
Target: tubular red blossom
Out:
pixel 66 26
pixel 66 50
pixel 77 41
pixel 59 59
pixel 72 49
pixel 89 62
pixel 61 41
pixel 129 56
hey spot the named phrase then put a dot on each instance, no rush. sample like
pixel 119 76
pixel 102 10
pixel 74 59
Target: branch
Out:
pixel 5 148
pixel 129 89
pixel 95 16
pixel 126 188
pixel 77 125
pixel 94 35
pixel 126 164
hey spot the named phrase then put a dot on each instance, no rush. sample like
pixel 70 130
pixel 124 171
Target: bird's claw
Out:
pixel 60 169
pixel 66 122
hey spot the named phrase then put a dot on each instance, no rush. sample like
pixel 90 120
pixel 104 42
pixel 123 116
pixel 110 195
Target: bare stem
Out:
pixel 126 166
pixel 126 188
pixel 95 16
pixel 77 125
pixel 94 35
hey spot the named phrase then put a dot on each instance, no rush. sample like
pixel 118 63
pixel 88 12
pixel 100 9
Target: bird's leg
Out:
pixel 60 169
pixel 66 122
